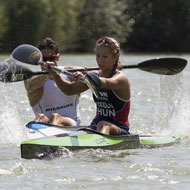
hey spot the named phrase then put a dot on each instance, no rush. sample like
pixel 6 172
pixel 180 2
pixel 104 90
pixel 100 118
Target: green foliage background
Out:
pixel 140 26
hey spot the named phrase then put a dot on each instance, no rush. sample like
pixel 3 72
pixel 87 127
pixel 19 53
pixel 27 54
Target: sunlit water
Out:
pixel 160 106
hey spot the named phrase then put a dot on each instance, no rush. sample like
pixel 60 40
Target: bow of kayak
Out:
pixel 157 141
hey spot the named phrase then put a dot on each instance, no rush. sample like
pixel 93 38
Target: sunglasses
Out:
pixel 50 58
pixel 105 41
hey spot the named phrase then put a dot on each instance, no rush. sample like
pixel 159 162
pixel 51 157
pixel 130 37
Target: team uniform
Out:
pixel 55 101
pixel 111 108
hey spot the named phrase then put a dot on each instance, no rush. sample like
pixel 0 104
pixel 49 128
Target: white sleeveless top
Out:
pixel 55 101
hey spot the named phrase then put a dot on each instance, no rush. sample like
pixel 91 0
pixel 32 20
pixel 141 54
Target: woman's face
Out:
pixel 104 57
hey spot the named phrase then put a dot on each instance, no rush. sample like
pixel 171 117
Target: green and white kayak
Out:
pixel 87 139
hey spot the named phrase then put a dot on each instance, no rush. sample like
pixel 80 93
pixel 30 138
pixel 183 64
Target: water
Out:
pixel 160 106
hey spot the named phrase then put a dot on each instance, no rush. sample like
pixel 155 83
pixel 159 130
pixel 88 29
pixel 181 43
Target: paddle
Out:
pixel 163 66
pixel 12 72
pixel 31 55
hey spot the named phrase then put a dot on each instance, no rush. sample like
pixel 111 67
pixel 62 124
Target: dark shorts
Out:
pixel 124 129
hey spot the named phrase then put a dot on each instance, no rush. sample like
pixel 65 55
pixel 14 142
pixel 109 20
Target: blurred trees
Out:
pixel 20 22
pixel 140 26
pixel 103 17
pixel 160 26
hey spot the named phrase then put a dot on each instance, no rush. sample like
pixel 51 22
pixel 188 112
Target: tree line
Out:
pixel 139 26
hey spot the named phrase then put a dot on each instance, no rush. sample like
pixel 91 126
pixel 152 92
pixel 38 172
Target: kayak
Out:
pixel 53 144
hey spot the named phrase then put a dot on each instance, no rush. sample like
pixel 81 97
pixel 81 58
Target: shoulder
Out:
pixel 120 75
pixel 121 80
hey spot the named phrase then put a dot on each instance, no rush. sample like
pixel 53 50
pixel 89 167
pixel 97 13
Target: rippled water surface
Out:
pixel 160 106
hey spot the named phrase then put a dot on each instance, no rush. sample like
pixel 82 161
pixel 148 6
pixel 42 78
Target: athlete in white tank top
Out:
pixel 50 105
pixel 55 101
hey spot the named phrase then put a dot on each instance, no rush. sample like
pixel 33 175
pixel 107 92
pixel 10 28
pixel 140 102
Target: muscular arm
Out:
pixel 68 87
pixel 118 83
pixel 35 82
pixel 34 88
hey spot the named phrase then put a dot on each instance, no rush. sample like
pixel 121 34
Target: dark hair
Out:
pixel 48 43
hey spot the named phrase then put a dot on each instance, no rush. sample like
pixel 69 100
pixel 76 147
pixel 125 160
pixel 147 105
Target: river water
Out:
pixel 160 106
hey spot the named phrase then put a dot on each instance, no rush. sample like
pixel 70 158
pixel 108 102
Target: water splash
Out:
pixel 179 124
pixel 4 172
pixel 8 69
pixel 175 120
pixel 11 125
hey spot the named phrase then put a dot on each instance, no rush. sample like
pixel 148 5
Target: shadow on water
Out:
pixel 100 155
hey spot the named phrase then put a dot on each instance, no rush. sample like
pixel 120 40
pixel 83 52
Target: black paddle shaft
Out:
pixel 163 66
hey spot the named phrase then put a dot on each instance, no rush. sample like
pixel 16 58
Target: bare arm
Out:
pixel 35 82
pixel 118 83
pixel 68 87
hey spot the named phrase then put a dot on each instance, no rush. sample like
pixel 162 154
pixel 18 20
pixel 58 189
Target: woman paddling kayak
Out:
pixel 113 103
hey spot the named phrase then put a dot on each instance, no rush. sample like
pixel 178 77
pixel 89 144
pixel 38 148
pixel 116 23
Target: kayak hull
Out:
pixel 54 145
pixel 42 148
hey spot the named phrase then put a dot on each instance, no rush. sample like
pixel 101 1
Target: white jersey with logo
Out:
pixel 55 101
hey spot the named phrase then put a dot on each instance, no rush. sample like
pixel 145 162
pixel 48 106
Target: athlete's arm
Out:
pixel 36 82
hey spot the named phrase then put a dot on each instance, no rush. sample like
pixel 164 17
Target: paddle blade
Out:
pixel 163 66
pixel 27 54
pixel 93 82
